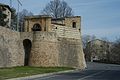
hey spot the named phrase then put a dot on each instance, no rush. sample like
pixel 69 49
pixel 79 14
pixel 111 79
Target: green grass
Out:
pixel 6 73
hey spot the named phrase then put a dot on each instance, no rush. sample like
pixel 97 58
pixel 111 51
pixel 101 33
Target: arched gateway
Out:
pixel 36 27
pixel 27 48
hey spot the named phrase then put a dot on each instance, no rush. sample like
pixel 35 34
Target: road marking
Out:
pixel 47 77
pixel 91 75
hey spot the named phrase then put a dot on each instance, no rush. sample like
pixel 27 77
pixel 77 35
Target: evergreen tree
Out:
pixel 2 17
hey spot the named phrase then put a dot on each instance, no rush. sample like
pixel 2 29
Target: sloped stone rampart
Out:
pixel 48 49
pixel 71 53
pixel 44 50
pixel 11 50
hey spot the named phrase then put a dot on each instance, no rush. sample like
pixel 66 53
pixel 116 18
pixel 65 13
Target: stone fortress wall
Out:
pixel 66 32
pixel 50 49
pixel 11 50
pixel 59 46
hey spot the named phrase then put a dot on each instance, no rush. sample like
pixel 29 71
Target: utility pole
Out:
pixel 19 4
pixel 10 3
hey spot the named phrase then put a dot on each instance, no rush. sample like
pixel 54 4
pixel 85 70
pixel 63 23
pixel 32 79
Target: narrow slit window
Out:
pixel 74 24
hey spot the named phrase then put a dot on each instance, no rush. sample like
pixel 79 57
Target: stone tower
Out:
pixel 56 42
pixel 45 42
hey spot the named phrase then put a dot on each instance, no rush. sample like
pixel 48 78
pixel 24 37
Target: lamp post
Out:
pixel 19 4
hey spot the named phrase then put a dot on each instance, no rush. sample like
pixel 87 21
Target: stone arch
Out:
pixel 27 48
pixel 37 27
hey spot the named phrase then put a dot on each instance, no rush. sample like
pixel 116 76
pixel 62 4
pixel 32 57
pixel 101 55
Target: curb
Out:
pixel 40 75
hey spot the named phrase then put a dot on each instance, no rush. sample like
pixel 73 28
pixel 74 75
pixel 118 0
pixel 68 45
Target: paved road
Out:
pixel 95 71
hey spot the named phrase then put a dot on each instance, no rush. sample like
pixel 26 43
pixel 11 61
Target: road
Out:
pixel 95 71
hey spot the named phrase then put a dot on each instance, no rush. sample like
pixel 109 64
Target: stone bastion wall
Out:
pixel 11 50
pixel 47 49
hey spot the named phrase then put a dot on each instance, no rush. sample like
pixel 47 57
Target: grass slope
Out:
pixel 14 72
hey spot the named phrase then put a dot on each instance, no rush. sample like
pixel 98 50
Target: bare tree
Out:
pixel 86 47
pixel 116 52
pixel 13 19
pixel 86 39
pixel 22 15
pixel 106 48
pixel 57 9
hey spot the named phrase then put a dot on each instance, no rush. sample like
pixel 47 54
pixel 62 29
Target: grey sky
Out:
pixel 99 17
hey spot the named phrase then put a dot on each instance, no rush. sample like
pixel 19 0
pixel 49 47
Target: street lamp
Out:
pixel 19 4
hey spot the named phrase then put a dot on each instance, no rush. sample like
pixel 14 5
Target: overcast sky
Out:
pixel 99 17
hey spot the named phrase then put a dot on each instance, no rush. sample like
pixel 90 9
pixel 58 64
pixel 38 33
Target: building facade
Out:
pixel 98 50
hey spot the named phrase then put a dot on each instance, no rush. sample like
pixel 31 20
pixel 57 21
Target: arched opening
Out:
pixel 27 48
pixel 36 27
pixel 74 24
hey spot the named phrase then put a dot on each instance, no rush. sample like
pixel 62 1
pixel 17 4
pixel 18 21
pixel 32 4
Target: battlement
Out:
pixel 45 23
